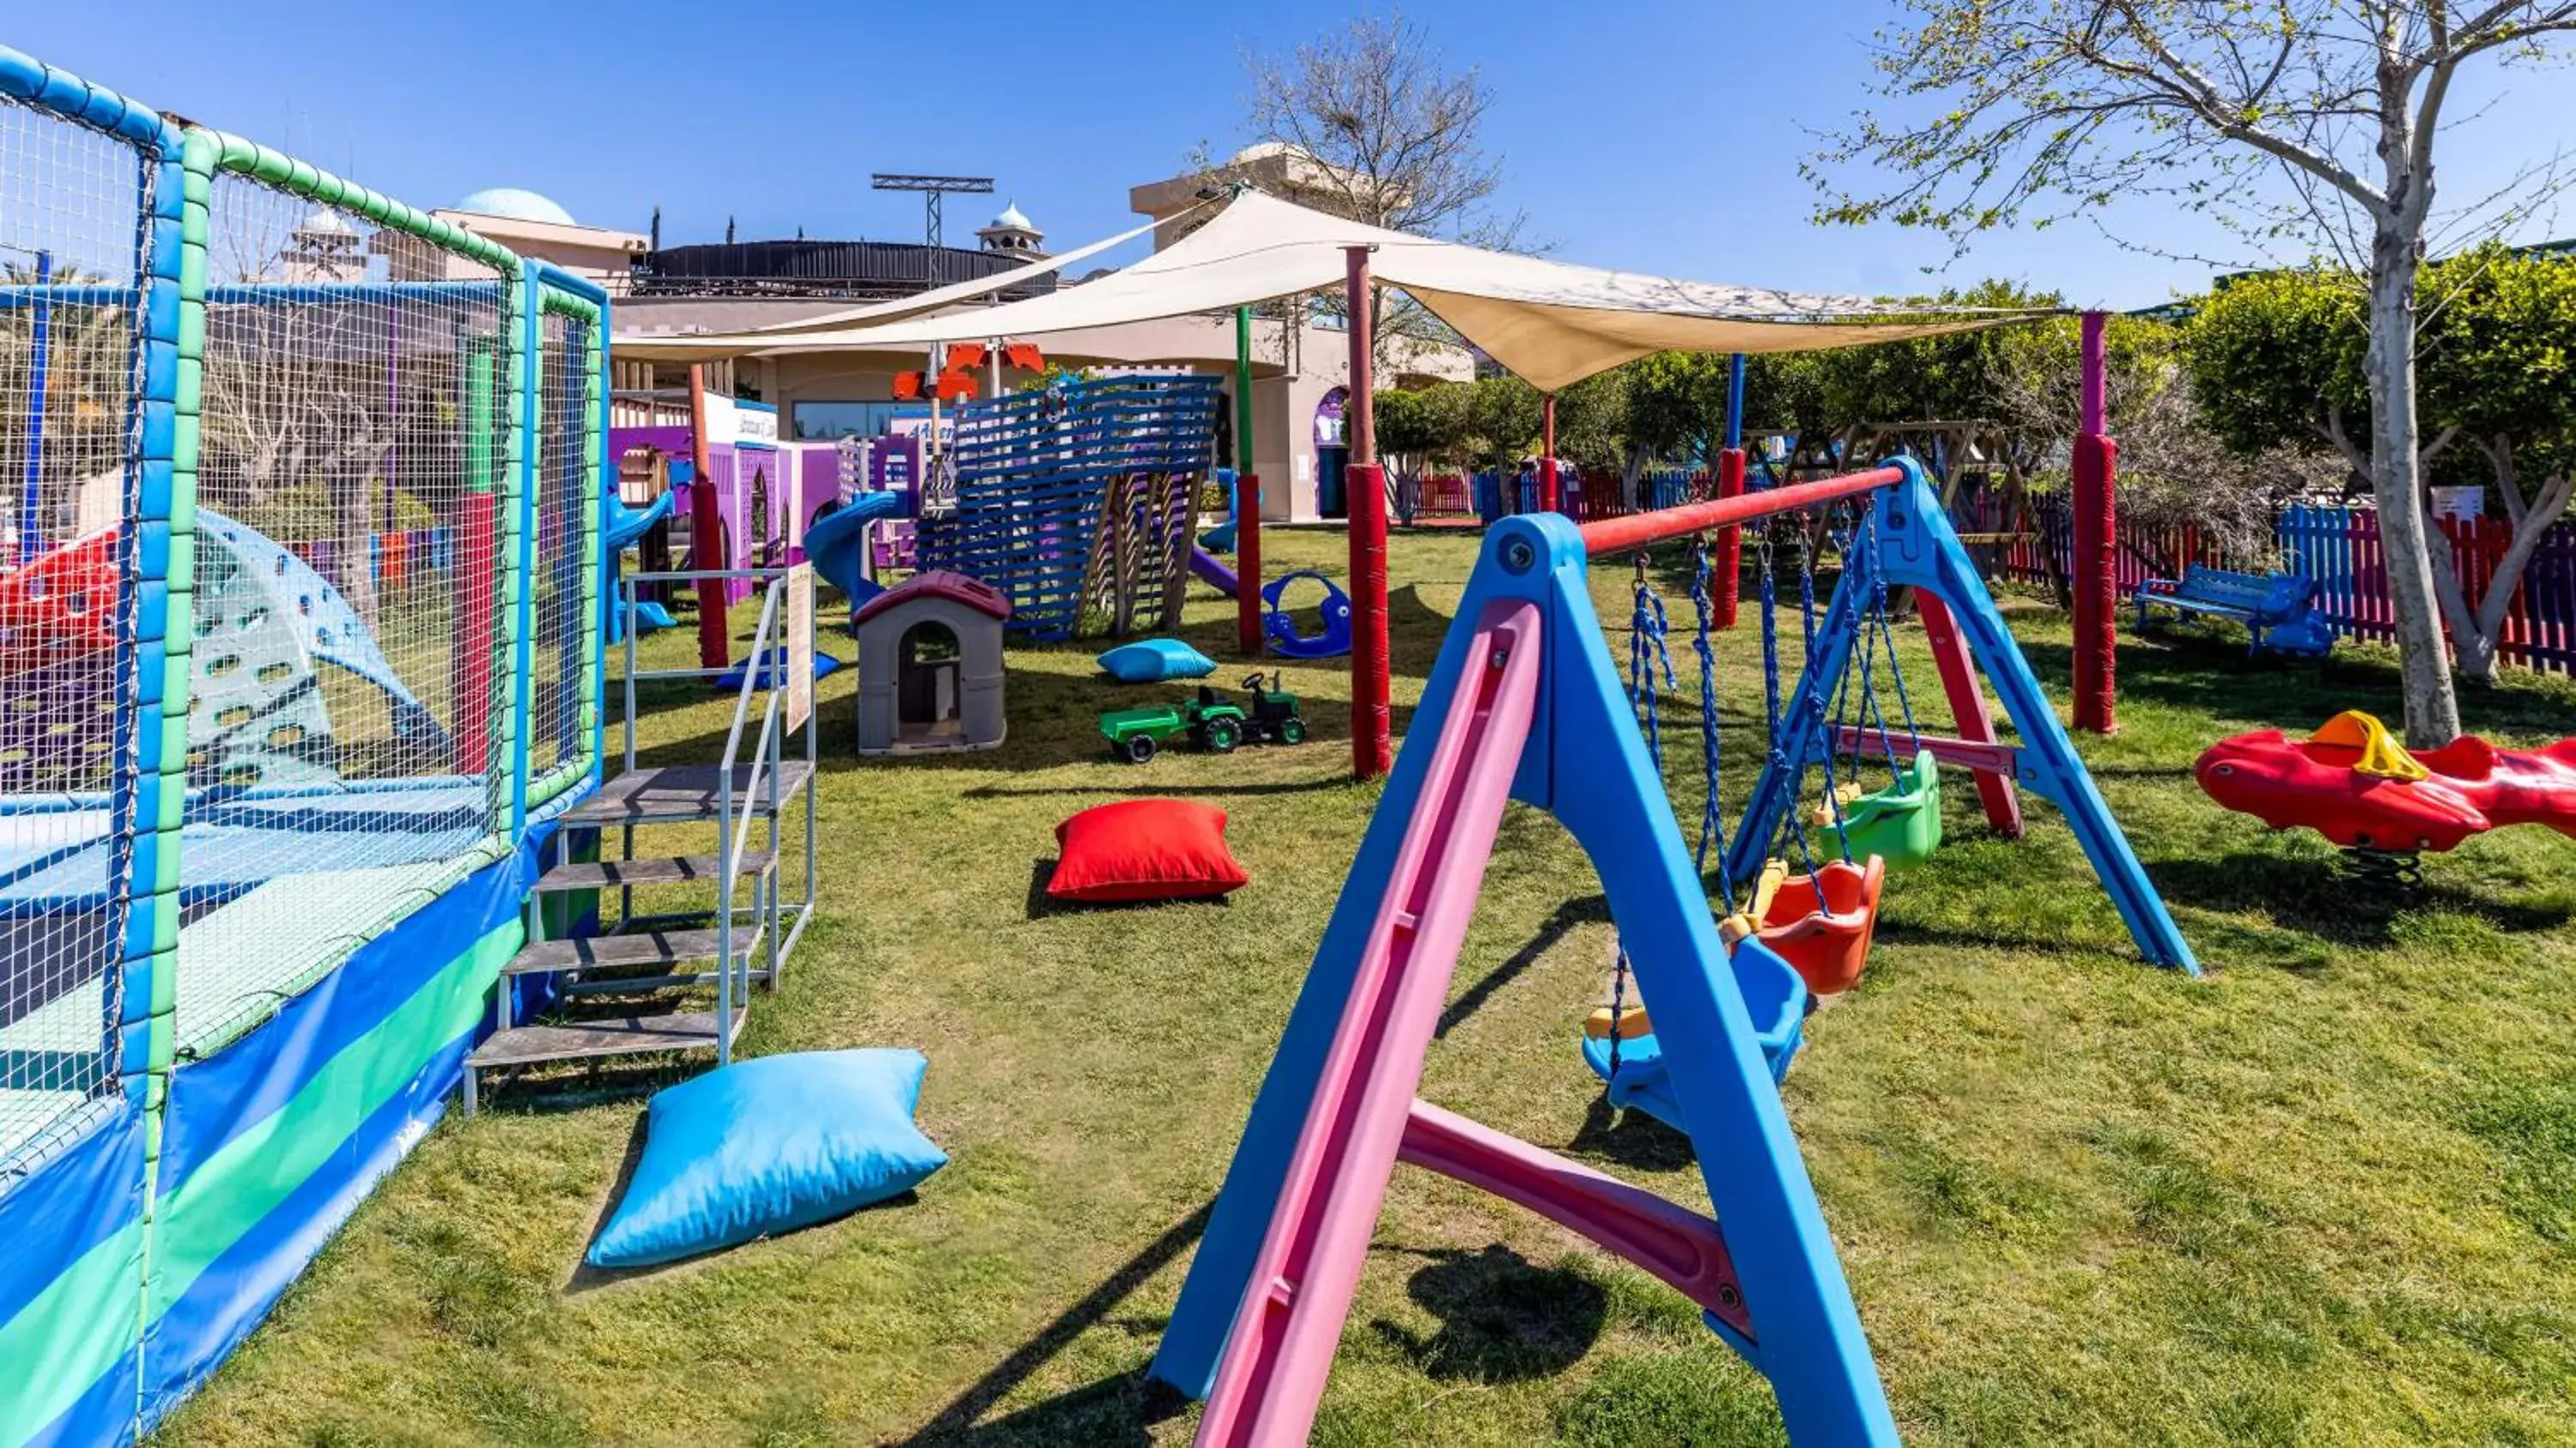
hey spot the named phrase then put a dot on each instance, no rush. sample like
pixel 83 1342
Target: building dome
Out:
pixel 1260 151
pixel 1012 219
pixel 326 221
pixel 515 204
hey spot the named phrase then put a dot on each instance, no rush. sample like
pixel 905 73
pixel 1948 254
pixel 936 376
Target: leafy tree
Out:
pixel 2281 360
pixel 1397 138
pixel 2175 469
pixel 1947 378
pixel 1785 392
pixel 1592 425
pixel 1502 422
pixel 1422 427
pixel 1677 404
pixel 87 364
pixel 2310 121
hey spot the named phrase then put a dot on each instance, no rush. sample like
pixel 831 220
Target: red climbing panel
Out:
pixel 60 606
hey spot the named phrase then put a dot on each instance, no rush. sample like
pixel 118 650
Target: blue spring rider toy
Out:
pixel 1333 642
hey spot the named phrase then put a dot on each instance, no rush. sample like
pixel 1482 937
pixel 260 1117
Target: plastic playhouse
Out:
pixel 930 665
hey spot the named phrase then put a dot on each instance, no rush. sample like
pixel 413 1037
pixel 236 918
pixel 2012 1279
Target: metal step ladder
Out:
pixel 637 985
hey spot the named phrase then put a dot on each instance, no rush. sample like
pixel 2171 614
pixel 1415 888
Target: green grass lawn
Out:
pixel 2327 1195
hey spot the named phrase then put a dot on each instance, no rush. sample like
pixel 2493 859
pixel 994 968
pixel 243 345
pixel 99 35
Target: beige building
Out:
pixel 526 223
pixel 1298 370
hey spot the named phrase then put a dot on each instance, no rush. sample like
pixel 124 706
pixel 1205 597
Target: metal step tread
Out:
pixel 679 792
pixel 643 947
pixel 609 874
pixel 614 1036
pixel 619 985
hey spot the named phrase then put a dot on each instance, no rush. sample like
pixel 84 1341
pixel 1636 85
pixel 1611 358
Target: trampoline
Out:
pixel 280 884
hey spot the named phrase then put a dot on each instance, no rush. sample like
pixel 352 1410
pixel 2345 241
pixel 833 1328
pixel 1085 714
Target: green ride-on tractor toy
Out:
pixel 1213 724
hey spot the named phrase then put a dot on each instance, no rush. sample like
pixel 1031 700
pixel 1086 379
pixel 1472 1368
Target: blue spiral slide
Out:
pixel 836 543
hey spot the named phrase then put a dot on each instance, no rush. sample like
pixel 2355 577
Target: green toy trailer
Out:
pixel 1211 723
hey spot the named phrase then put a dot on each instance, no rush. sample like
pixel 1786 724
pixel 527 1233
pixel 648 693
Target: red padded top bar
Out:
pixel 1617 535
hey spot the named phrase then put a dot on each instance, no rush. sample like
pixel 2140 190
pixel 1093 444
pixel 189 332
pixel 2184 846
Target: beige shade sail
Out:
pixel 1551 322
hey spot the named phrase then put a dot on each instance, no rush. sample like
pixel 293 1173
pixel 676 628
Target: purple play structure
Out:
pixel 767 492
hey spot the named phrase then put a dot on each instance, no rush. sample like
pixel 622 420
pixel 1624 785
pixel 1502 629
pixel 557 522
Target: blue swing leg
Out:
pixel 1915 545
pixel 1583 760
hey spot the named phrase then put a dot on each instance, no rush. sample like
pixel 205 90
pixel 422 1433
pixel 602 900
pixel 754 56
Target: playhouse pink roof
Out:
pixel 939 583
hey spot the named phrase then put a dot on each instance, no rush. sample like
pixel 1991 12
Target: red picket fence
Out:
pixel 1449 497
pixel 2341 548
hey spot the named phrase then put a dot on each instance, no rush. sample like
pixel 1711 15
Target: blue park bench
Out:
pixel 2278 609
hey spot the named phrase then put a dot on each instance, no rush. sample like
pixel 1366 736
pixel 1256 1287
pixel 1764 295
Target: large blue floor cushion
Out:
pixel 1150 661
pixel 766 1146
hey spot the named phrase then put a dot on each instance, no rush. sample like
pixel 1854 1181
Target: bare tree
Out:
pixel 2311 121
pixel 1396 139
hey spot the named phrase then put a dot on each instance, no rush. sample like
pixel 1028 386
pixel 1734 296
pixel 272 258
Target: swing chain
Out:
pixel 1809 691
pixel 1712 827
pixel 1647 627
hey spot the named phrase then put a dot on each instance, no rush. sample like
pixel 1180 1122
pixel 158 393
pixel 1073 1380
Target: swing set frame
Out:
pixel 1525 703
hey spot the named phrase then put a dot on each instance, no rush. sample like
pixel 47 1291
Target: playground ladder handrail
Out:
pixel 760 791
pixel 734 831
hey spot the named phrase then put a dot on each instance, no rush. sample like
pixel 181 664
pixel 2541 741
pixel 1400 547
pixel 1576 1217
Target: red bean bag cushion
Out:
pixel 1145 849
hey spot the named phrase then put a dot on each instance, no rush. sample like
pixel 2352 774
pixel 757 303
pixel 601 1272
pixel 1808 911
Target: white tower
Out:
pixel 1013 234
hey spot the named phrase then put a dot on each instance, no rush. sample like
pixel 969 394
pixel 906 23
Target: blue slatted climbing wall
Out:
pixel 1076 501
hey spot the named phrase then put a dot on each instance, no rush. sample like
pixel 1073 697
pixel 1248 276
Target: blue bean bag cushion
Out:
pixel 768 1145
pixel 1150 661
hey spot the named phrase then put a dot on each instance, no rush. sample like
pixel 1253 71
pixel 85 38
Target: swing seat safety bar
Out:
pixel 2001 759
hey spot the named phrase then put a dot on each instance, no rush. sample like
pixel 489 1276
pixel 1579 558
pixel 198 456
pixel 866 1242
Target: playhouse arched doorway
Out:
pixel 927 673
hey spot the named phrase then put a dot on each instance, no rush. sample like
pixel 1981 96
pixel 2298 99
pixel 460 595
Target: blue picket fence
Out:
pixel 2337 546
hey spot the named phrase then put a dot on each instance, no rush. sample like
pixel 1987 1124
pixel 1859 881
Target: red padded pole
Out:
pixel 2096 607
pixel 476 570
pixel 1547 494
pixel 1728 565
pixel 1372 708
pixel 1247 497
pixel 1247 563
pixel 706 530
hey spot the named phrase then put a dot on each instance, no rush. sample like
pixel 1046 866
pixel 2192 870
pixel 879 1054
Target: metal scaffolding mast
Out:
pixel 933 188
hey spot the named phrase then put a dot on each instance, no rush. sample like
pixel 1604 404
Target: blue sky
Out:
pixel 1659 135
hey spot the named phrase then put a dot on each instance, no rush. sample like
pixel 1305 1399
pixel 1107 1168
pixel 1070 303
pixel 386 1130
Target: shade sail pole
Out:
pixel 1247 497
pixel 1728 567
pixel 1547 494
pixel 2096 605
pixel 1372 717
pixel 706 529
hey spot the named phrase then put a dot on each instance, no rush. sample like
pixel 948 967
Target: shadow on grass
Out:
pixel 1285 786
pixel 1630 1138
pixel 1040 903
pixel 1550 931
pixel 578 1084
pixel 1502 1319
pixel 1115 1410
pixel 2320 899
